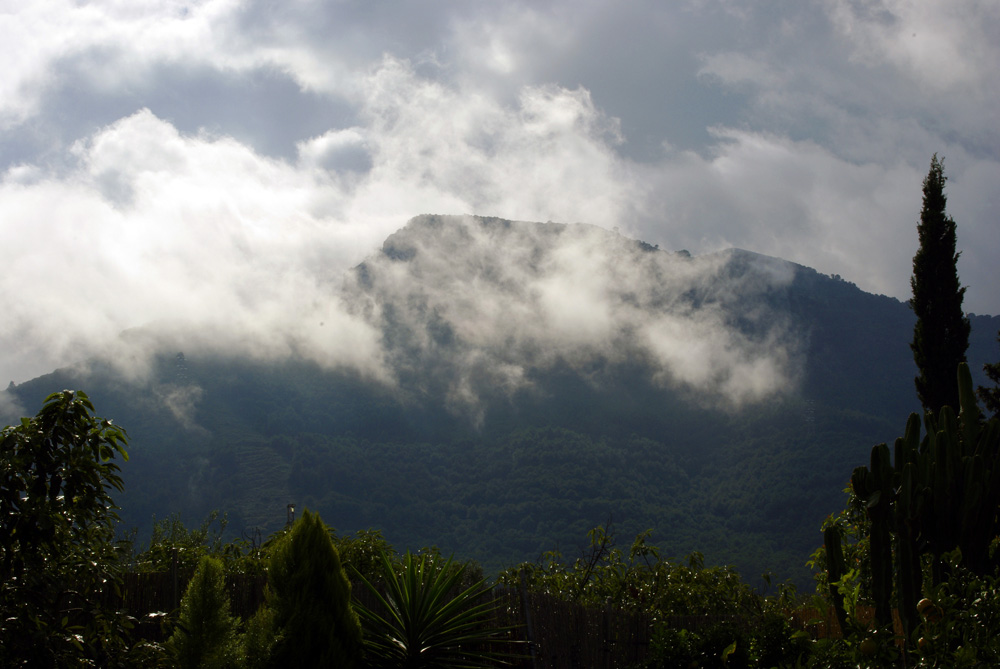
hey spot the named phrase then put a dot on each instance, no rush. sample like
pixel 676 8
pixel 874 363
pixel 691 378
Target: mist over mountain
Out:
pixel 497 388
pixel 471 307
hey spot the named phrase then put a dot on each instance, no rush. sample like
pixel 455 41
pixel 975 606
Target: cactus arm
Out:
pixel 880 513
pixel 836 567
pixel 908 574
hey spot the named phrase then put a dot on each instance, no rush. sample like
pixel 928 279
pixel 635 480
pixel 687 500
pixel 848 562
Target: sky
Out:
pixel 217 165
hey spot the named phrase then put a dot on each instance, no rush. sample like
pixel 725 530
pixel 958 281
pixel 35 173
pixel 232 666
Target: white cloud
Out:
pixel 945 45
pixel 114 213
pixel 117 40
pixel 437 148
pixel 153 226
pixel 789 199
pixel 476 305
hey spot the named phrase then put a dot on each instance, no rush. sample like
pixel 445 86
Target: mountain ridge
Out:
pixel 536 380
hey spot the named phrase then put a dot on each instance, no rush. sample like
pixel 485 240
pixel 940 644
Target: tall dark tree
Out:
pixel 941 335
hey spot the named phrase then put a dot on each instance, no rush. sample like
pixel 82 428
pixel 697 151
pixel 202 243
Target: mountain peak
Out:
pixel 486 303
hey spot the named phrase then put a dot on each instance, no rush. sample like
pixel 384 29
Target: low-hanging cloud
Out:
pixel 241 252
pixel 475 304
pixel 197 232
pixel 814 138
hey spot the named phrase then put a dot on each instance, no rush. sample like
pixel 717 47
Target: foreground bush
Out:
pixel 309 597
pixel 205 637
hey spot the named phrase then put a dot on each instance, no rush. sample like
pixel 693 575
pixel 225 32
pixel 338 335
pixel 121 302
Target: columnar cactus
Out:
pixel 941 493
pixel 875 486
pixel 836 567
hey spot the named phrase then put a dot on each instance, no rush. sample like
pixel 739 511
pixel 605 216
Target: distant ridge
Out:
pixel 538 379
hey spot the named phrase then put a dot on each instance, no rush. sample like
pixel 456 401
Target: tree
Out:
pixel 991 396
pixel 57 552
pixel 941 334
pixel 206 632
pixel 310 600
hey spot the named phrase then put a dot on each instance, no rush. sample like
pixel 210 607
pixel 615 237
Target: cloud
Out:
pixel 218 165
pixel 473 305
pixel 550 157
pixel 944 46
pixel 200 233
pixel 196 231
pixel 782 198
pixel 117 41
pixel 11 408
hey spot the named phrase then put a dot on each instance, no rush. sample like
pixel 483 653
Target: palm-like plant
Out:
pixel 425 624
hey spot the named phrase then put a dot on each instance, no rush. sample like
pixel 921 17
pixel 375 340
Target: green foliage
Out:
pixel 838 574
pixel 775 643
pixel 310 597
pixel 205 637
pixel 851 527
pixel 427 620
pixel 990 397
pixel 875 487
pixel 58 561
pixel 638 578
pixel 257 642
pixel 672 647
pixel 362 553
pixel 172 544
pixel 942 493
pixel 930 526
pixel 941 334
pixel 741 629
pixel 722 645
pixel 960 621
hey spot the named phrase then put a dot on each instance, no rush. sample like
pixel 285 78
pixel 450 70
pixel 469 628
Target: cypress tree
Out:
pixel 206 632
pixel 941 334
pixel 310 598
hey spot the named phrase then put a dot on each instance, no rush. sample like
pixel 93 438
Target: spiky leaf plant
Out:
pixel 428 621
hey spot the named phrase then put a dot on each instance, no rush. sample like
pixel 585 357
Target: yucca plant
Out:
pixel 428 621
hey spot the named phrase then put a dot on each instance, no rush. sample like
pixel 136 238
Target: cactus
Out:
pixel 941 493
pixel 875 486
pixel 909 503
pixel 836 567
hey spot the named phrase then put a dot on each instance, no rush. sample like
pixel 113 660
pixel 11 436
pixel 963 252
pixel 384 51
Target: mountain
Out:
pixel 497 388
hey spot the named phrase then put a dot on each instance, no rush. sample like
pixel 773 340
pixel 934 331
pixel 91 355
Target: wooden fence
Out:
pixel 550 633
pixel 564 635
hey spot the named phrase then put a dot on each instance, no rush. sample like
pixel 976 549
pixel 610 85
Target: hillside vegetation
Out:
pixel 500 440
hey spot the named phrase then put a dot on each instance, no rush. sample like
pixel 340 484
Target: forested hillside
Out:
pixel 537 380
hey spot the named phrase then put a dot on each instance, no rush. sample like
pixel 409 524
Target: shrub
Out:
pixel 310 599
pixel 206 632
